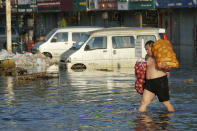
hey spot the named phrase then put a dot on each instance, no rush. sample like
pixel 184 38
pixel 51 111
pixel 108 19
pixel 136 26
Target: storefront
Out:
pixel 146 14
pixel 26 11
pixel 179 18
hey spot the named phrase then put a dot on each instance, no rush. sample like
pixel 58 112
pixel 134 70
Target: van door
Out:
pixel 96 53
pixel 59 43
pixel 123 51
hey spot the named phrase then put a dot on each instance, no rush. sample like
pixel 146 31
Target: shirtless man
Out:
pixel 156 82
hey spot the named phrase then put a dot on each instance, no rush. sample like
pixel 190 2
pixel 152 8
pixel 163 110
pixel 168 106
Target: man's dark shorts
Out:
pixel 158 86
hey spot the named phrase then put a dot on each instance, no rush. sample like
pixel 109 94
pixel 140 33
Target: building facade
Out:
pixel 178 17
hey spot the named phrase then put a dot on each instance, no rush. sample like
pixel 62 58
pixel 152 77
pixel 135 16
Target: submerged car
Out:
pixel 61 39
pixel 115 47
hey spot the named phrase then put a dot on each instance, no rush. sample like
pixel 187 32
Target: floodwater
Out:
pixel 95 100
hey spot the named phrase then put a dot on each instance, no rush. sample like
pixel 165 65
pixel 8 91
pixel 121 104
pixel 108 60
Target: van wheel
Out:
pixel 47 54
pixel 78 67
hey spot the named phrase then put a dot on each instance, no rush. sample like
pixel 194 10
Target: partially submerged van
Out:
pixel 61 39
pixel 116 47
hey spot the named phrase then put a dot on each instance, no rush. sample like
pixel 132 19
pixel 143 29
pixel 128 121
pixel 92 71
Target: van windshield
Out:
pixel 49 35
pixel 81 41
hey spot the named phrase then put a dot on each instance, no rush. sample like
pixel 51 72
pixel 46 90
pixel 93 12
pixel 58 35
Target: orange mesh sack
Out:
pixel 163 52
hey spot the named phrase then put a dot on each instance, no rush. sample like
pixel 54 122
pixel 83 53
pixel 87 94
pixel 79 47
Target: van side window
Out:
pixel 97 43
pixel 123 42
pixel 61 37
pixel 76 36
pixel 146 37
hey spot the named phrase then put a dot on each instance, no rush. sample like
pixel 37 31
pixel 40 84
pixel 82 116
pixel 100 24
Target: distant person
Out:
pixel 23 41
pixel 63 22
pixel 156 83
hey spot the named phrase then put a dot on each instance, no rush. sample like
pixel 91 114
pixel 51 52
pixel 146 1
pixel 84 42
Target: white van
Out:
pixel 61 39
pixel 116 47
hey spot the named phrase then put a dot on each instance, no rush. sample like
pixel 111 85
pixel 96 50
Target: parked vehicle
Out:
pixel 3 36
pixel 61 39
pixel 116 47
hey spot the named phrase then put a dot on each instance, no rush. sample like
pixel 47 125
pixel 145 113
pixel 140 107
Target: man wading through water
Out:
pixel 156 83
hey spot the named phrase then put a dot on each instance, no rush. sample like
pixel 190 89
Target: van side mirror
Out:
pixel 54 39
pixel 87 47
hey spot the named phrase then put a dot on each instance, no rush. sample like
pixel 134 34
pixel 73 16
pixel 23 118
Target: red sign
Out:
pixel 107 4
pixel 48 5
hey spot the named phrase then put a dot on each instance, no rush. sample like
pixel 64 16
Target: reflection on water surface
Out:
pixel 95 100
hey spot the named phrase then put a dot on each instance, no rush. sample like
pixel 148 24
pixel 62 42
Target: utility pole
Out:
pixel 140 21
pixel 1 4
pixel 8 26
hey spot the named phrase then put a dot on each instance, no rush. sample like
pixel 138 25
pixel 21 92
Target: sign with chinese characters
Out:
pixel 176 3
pixel 27 6
pixel 107 4
pixel 79 5
pixel 123 5
pixel 92 4
pixel 141 4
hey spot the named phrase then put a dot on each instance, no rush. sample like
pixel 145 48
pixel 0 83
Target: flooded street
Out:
pixel 95 100
pixel 103 39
